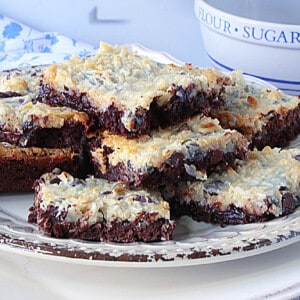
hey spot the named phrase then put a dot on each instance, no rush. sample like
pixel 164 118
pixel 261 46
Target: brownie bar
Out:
pixel 21 81
pixel 26 124
pixel 264 116
pixel 266 186
pixel 98 210
pixel 129 94
pixel 20 167
pixel 186 151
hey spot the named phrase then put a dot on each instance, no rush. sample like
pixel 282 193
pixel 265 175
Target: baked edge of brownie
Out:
pixel 233 215
pixel 171 171
pixel 70 135
pixel 142 229
pixel 18 175
pixel 182 104
pixel 278 131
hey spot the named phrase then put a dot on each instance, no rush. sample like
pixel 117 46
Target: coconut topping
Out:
pixel 116 76
pixel 97 200
pixel 257 186
pixel 196 134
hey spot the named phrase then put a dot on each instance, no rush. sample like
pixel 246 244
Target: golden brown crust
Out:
pixel 188 150
pixel 9 152
pixel 20 167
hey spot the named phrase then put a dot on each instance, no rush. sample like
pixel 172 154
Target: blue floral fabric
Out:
pixel 22 45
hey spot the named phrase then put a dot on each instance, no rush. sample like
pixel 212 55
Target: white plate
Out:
pixel 193 243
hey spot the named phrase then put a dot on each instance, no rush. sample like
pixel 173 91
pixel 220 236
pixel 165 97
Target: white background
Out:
pixel 164 25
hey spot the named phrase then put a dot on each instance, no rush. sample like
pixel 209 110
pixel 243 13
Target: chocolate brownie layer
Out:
pixel 9 94
pixel 264 116
pixel 26 124
pixel 266 186
pixel 189 150
pixel 130 94
pixel 20 167
pixel 95 209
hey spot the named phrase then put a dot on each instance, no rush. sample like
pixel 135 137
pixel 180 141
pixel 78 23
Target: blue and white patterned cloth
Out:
pixel 21 45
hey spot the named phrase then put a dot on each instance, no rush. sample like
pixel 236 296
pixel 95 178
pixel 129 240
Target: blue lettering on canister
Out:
pixel 227 27
pixel 246 33
pixel 216 23
pixel 281 38
pixel 295 37
pixel 254 33
pixel 271 35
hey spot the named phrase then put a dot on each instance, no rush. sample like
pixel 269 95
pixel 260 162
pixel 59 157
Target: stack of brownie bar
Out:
pixel 265 185
pixel 158 141
pixel 35 137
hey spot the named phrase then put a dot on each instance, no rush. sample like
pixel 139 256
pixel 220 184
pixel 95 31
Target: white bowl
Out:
pixel 259 37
